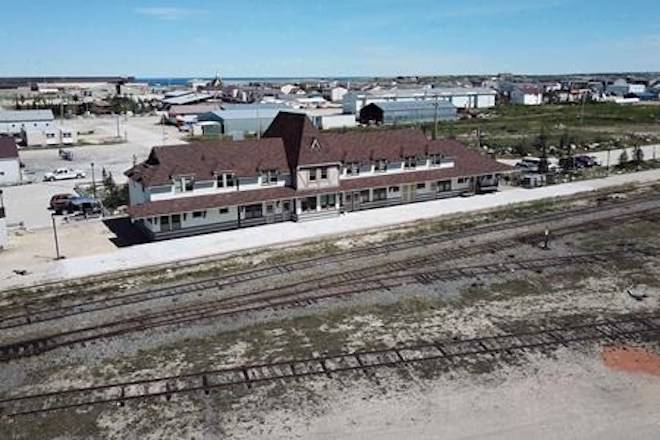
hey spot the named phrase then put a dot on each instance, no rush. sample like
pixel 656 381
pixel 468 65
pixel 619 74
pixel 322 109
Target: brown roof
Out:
pixel 306 145
pixel 8 148
pixel 202 160
pixel 188 204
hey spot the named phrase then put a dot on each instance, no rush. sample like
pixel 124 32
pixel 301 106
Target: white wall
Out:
pixel 303 182
pixel 16 127
pixel 10 171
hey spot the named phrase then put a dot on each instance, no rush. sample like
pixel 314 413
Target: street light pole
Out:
pixel 57 244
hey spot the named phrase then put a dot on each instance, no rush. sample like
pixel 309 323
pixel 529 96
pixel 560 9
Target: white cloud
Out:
pixel 168 13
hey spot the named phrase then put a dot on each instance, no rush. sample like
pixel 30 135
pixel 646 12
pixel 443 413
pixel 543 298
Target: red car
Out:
pixel 60 201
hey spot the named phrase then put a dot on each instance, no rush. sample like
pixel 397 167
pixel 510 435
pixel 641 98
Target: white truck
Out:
pixel 63 174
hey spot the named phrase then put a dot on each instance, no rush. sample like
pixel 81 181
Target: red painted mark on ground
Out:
pixel 632 360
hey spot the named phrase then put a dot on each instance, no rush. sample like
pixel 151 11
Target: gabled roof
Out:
pixel 203 160
pixel 8 148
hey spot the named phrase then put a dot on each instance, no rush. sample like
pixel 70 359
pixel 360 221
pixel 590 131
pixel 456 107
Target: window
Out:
pixel 394 190
pixel 328 201
pixel 225 180
pixel 224 211
pixel 444 186
pixel 410 162
pixel 421 186
pixel 308 204
pixel 380 166
pixel 324 173
pixel 436 159
pixel 188 183
pixel 461 180
pixel 50 135
pixel 199 214
pixel 269 177
pixel 312 175
pixel 253 211
pixel 380 194
pixel 352 169
pixel 364 196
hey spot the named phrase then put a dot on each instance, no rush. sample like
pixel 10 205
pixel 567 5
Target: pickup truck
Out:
pixel 63 174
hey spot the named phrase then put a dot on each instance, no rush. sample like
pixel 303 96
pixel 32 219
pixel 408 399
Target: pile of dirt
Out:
pixel 632 359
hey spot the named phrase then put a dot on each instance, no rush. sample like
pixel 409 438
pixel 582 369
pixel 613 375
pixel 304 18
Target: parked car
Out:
pixel 84 205
pixel 533 165
pixel 586 161
pixel 59 202
pixel 63 174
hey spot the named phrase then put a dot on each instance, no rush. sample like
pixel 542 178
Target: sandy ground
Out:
pixel 573 397
pixel 281 233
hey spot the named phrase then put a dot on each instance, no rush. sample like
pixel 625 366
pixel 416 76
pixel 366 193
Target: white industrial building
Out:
pixel 13 122
pixel 460 97
pixel 49 137
pixel 327 122
pixel 10 169
pixel 527 95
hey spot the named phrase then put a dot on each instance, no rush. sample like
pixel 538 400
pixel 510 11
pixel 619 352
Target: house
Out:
pixel 460 97
pixel 297 173
pixel 527 94
pixel 14 121
pixel 335 94
pixel 10 168
pixel 407 112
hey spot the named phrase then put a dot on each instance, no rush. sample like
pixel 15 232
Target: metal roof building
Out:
pixel 14 121
pixel 238 123
pixel 407 112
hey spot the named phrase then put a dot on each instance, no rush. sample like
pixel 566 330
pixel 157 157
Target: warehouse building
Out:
pixel 13 122
pixel 407 112
pixel 460 97
pixel 239 123
pixel 298 173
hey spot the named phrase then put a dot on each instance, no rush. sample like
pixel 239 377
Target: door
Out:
pixel 270 213
pixel 165 224
pixel 356 201
pixel 286 210
pixel 408 193
pixel 176 222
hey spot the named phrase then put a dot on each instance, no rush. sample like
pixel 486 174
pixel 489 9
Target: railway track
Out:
pixel 34 315
pixel 388 277
pixel 624 329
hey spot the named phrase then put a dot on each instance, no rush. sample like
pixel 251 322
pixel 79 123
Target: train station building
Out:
pixel 297 173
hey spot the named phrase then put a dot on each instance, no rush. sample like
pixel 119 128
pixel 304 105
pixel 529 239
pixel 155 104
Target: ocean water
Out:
pixel 172 82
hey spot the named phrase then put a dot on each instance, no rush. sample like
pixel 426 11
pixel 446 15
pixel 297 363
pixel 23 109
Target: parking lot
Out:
pixel 27 204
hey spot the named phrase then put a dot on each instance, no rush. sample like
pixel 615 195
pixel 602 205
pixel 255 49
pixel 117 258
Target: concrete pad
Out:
pixel 282 233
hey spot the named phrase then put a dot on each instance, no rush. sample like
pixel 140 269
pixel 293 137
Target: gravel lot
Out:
pixel 567 393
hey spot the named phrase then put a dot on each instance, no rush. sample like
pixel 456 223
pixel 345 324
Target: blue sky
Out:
pixel 326 38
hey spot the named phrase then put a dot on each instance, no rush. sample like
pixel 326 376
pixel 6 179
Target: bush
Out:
pixel 114 195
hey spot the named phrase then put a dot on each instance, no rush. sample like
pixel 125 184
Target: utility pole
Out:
pixel 258 120
pixel 435 119
pixel 93 181
pixel 118 131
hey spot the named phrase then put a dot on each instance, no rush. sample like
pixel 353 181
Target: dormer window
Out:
pixel 184 184
pixel 435 159
pixel 410 163
pixel 225 180
pixel 352 168
pixel 269 177
pixel 316 146
pixel 380 166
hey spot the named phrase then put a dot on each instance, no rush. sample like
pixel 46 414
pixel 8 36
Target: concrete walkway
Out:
pixel 282 233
